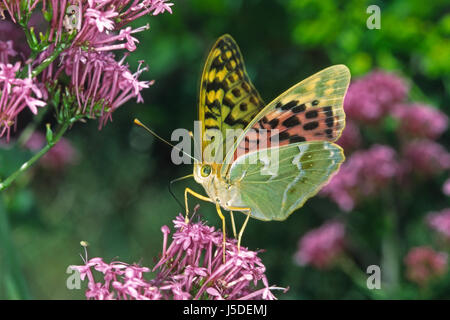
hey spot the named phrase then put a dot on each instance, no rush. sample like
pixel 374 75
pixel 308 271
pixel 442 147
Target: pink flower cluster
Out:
pixel 440 222
pixel 423 264
pixel 425 157
pixel 372 97
pixel 85 39
pixel 191 267
pixel 421 121
pixel 320 247
pixel 364 174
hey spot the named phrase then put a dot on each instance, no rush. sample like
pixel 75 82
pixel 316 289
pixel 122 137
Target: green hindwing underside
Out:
pixel 275 182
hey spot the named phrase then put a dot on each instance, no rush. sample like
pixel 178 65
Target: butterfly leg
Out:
pixel 248 212
pixel 233 224
pixel 195 194
pixel 219 212
pixel 241 232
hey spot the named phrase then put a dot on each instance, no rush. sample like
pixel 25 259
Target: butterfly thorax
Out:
pixel 217 188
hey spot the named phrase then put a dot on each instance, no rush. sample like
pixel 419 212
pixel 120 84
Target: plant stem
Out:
pixel 7 182
pixel 60 48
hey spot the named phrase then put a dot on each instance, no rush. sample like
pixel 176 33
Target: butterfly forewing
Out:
pixel 309 111
pixel 228 100
pixel 274 189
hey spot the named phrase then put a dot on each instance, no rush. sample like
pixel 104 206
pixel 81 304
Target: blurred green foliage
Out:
pixel 116 196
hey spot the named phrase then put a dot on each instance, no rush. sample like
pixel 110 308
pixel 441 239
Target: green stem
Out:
pixel 7 182
pixel 49 60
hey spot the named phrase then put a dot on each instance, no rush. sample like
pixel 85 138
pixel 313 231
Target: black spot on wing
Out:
pixel 274 123
pixel 311 125
pixel 296 138
pixel 283 136
pixel 329 120
pixel 299 108
pixel 236 92
pixel 292 121
pixel 311 114
pixel 289 105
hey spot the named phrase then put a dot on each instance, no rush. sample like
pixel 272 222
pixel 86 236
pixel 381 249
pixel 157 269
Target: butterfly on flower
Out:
pixel 283 152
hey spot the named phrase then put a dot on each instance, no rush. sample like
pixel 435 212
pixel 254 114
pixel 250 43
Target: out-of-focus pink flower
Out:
pixel 417 120
pixel 6 50
pixel 364 174
pixel 370 98
pixel 425 157
pixel 351 137
pixel 446 187
pixel 321 246
pixel 58 157
pixel 423 264
pixel 440 222
pixel 191 267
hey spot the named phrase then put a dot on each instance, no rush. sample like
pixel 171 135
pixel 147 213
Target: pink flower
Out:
pixel 16 95
pixel 6 51
pixel 372 97
pixel 191 267
pixel 423 264
pixel 422 121
pixel 440 222
pixel 425 157
pixel 364 174
pixel 102 19
pixel 320 247
pixel 58 157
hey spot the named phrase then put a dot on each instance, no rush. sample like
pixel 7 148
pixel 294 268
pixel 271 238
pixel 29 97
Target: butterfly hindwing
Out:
pixel 274 187
pixel 228 100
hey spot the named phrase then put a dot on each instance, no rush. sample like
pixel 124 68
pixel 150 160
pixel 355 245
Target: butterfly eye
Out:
pixel 205 171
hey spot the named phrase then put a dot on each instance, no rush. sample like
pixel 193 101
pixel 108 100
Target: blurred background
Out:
pixel 387 207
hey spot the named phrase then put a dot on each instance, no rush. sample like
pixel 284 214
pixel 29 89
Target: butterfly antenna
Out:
pixel 173 194
pixel 139 123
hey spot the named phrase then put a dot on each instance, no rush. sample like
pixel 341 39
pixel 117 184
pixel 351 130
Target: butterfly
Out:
pixel 304 121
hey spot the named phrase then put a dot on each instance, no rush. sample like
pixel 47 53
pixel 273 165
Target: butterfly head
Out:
pixel 208 175
pixel 204 172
